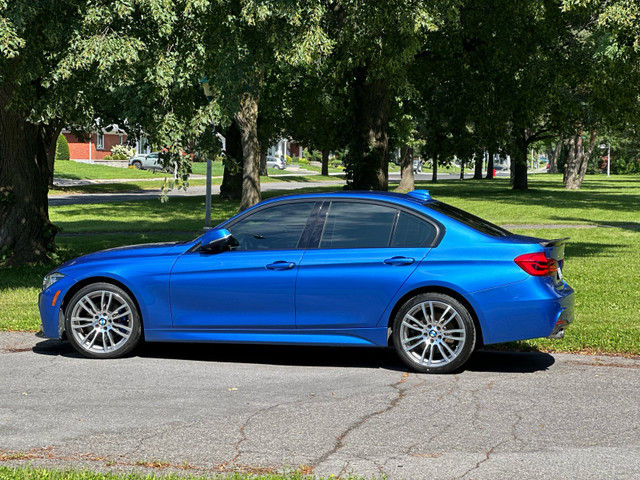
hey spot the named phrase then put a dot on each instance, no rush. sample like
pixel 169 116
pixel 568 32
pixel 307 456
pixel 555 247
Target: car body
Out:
pixel 276 162
pixel 345 268
pixel 146 161
pixel 417 166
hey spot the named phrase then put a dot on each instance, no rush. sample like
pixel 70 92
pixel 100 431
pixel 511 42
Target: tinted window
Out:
pixel 472 221
pixel 357 225
pixel 412 231
pixel 274 228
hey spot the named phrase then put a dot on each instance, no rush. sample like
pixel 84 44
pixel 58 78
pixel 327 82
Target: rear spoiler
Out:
pixel 555 248
pixel 553 243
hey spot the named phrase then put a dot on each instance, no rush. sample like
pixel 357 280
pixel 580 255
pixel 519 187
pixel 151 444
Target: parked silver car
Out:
pixel 276 162
pixel 146 161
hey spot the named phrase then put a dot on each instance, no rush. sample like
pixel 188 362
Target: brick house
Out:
pixel 96 146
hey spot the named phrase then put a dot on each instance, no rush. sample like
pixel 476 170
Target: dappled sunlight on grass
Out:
pixel 600 201
pixel 602 264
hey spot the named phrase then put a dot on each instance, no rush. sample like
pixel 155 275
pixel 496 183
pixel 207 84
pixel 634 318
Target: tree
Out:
pixel 34 105
pixel 374 43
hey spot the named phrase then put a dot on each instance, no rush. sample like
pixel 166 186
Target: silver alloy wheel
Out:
pixel 432 333
pixel 102 322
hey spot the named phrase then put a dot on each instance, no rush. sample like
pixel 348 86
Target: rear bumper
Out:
pixel 533 308
pixel 564 319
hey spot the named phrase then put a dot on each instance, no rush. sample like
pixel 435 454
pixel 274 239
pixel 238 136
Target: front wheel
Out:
pixel 102 321
pixel 433 333
pixel 137 165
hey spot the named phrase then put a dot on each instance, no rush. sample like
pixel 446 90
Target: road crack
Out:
pixel 339 442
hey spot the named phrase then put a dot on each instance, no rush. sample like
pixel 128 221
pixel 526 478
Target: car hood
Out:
pixel 131 251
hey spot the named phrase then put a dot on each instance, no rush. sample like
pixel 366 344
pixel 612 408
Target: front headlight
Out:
pixel 50 279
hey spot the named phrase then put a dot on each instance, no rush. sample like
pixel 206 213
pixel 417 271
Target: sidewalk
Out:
pixel 86 198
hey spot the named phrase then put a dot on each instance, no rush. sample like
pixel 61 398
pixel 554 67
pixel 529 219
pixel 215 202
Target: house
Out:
pixel 97 145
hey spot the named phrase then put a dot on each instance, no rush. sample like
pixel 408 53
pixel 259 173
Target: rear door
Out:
pixel 365 251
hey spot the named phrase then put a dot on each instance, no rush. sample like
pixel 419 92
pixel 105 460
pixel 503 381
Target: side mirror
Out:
pixel 217 240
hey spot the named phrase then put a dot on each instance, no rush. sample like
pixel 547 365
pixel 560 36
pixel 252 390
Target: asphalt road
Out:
pixel 205 408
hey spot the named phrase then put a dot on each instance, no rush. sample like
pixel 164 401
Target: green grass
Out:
pixel 600 201
pixel 148 180
pixel 90 171
pixel 30 473
pixel 602 264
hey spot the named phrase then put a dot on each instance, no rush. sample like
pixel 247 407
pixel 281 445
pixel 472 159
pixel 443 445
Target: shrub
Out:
pixel 121 152
pixel 314 155
pixel 62 148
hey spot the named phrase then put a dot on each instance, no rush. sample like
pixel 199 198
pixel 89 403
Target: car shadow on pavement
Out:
pixel 312 356
pixel 509 362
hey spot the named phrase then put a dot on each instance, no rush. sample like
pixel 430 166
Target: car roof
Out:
pixel 411 199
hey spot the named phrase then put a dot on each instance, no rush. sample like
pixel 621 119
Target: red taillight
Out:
pixel 537 264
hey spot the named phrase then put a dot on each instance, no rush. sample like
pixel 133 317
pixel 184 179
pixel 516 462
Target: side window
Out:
pixel 100 141
pixel 357 225
pixel 412 231
pixel 274 228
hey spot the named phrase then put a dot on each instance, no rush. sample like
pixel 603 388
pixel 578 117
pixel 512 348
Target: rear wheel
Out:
pixel 137 165
pixel 434 333
pixel 102 321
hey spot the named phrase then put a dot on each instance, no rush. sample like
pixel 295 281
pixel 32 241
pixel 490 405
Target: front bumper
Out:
pixel 49 304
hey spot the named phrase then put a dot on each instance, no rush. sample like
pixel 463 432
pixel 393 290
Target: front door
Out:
pixel 250 287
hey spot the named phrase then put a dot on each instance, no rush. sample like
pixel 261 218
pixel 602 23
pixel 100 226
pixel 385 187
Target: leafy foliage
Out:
pixel 62 148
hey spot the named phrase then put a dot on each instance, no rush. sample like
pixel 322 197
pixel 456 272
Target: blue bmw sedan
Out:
pixel 369 269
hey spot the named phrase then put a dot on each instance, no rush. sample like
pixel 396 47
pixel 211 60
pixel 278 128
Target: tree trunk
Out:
pixel 578 160
pixel 553 158
pixel 247 118
pixel 325 163
pixel 407 183
pixel 490 166
pixel 434 175
pixel 26 234
pixel 231 187
pixel 461 169
pixel 477 169
pixel 263 164
pixel 368 163
pixel 519 163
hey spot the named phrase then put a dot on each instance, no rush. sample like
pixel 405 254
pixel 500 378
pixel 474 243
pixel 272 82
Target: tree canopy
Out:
pixel 454 78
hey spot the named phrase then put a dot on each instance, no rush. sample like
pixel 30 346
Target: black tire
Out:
pixel 102 321
pixel 137 165
pixel 423 337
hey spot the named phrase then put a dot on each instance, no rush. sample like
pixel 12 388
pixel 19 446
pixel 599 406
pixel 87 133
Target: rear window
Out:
pixel 472 221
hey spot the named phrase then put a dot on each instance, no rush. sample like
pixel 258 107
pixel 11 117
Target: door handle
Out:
pixel 281 265
pixel 397 261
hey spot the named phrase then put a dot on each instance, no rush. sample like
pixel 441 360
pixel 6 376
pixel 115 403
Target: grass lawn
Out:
pixel 91 171
pixel 602 264
pixel 29 473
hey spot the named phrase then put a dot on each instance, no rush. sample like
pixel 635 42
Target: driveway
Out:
pixel 217 408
